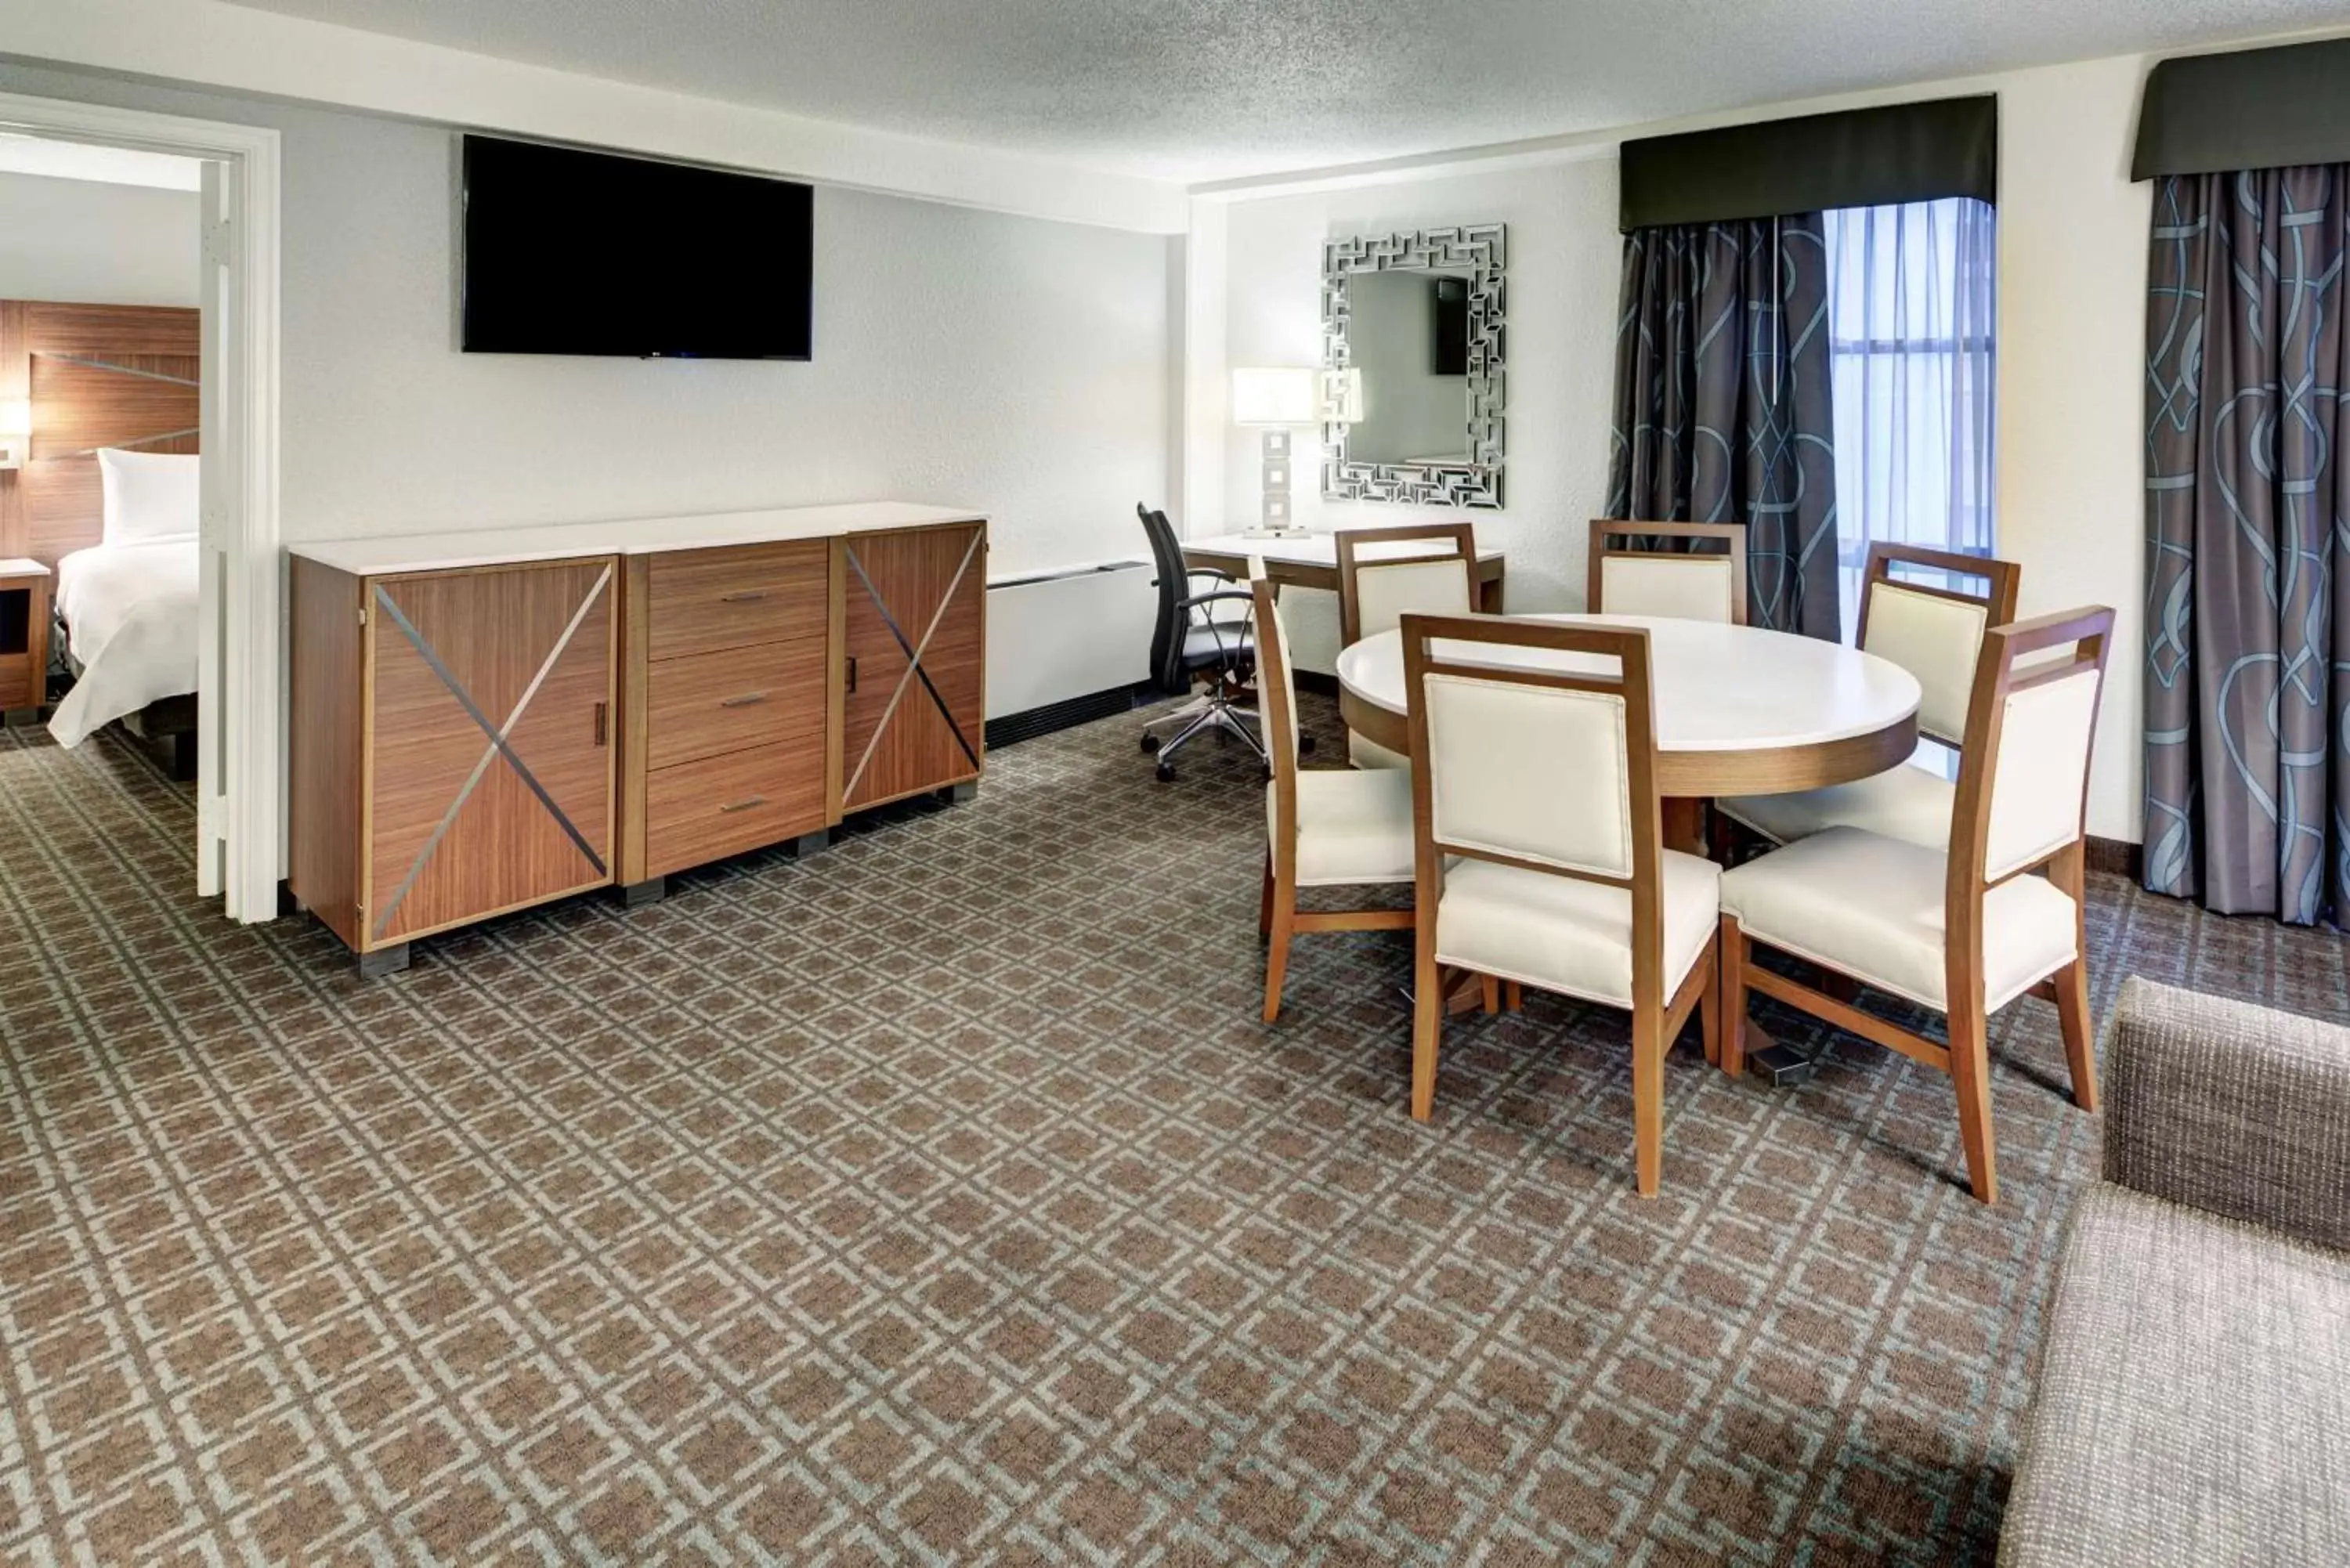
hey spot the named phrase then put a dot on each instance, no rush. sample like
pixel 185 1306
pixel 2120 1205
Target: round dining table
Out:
pixel 1739 709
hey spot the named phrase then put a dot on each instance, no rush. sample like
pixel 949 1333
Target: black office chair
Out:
pixel 1188 645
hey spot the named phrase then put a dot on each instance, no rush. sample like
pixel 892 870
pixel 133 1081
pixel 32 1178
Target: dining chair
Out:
pixel 1375 591
pixel 1935 631
pixel 1963 930
pixel 1642 579
pixel 1328 828
pixel 1538 845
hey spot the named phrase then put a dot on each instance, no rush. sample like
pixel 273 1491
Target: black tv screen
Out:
pixel 566 252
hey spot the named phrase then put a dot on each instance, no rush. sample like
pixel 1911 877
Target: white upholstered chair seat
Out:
pixel 1351 827
pixel 1563 934
pixel 1906 802
pixel 1873 907
pixel 1365 752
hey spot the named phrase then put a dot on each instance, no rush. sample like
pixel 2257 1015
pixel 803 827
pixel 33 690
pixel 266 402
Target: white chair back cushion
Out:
pixel 1532 772
pixel 1387 591
pixel 1935 639
pixel 1686 587
pixel 2042 768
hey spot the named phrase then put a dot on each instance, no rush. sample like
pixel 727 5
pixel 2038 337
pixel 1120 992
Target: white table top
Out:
pixel 19 567
pixel 1718 688
pixel 1312 550
pixel 623 536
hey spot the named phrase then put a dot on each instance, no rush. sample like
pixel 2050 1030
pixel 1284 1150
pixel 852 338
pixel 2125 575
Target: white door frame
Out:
pixel 240 789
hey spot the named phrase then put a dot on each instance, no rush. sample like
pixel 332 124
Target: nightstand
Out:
pixel 23 640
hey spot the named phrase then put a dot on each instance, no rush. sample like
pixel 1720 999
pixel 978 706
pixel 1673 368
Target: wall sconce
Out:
pixel 15 431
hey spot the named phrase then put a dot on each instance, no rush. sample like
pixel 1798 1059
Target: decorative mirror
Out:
pixel 1412 332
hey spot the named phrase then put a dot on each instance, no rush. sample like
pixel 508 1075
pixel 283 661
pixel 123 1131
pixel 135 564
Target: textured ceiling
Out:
pixel 1199 89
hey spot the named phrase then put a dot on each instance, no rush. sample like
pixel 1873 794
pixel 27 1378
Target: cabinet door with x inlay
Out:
pixel 913 715
pixel 489 745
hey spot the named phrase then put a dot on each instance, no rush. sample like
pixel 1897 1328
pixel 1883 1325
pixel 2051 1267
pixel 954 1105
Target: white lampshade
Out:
pixel 16 417
pixel 1275 396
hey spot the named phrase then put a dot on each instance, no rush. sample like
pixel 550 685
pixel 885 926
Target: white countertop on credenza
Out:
pixel 621 536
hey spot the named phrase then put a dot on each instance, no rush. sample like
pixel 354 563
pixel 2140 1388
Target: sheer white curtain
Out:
pixel 1910 297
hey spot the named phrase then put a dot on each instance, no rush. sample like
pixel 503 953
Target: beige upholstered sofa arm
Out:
pixel 2230 1108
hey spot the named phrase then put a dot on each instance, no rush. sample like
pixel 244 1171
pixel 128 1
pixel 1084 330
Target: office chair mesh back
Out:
pixel 1167 637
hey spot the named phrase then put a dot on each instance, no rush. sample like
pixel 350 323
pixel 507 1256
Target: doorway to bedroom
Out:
pixel 139 671
pixel 100 382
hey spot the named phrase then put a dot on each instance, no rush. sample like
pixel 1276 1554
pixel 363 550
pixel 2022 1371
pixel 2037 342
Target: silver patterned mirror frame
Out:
pixel 1479 251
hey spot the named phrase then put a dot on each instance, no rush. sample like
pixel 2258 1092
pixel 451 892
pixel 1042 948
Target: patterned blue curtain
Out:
pixel 2248 543
pixel 1723 402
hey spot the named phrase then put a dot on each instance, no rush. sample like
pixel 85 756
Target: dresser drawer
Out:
pixel 702 600
pixel 706 703
pixel 723 805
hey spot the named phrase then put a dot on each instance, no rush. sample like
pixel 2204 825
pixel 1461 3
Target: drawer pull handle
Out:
pixel 744 805
pixel 748 700
pixel 743 597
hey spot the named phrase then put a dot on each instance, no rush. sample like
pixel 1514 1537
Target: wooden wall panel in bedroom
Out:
pixel 96 375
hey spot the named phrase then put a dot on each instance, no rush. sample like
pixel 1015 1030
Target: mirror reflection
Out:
pixel 1409 335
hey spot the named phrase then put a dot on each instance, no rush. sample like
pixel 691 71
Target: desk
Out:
pixel 1312 562
pixel 1739 709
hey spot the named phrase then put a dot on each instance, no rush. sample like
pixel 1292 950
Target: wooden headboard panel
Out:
pixel 96 375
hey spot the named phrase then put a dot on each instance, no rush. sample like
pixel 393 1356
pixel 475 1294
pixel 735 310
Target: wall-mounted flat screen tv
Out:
pixel 570 252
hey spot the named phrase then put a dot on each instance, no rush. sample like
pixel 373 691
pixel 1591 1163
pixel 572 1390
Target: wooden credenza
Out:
pixel 485 722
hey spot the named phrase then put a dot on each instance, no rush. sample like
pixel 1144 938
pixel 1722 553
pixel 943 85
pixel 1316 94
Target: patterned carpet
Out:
pixel 939 1198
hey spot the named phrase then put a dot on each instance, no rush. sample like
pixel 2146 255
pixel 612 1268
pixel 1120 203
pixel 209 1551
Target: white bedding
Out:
pixel 131 612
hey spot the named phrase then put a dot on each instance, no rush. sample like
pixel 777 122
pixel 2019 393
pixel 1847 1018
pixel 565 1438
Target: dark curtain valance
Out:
pixel 2254 108
pixel 1862 158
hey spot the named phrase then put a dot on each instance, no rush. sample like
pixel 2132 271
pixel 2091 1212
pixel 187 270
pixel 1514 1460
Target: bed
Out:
pixel 125 619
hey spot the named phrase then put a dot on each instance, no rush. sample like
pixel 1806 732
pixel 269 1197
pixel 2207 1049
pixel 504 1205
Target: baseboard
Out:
pixel 2114 856
pixel 1013 728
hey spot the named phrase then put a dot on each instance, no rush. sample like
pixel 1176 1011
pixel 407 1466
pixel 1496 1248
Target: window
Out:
pixel 1910 298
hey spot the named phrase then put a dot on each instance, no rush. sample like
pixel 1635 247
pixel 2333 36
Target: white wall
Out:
pixel 91 243
pixel 962 356
pixel 2072 243
pixel 1563 257
pixel 2071 376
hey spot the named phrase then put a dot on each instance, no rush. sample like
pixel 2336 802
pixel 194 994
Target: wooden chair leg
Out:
pixel 1709 1014
pixel 2069 986
pixel 1427 1030
pixel 1730 958
pixel 1513 996
pixel 1490 992
pixel 1840 987
pixel 1970 1076
pixel 1276 953
pixel 1649 1097
pixel 2071 983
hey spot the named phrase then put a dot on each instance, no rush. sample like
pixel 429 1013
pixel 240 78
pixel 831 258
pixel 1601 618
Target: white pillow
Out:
pixel 148 495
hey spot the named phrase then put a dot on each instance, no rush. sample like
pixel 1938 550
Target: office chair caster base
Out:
pixel 1150 743
pixel 1166 773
